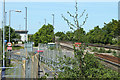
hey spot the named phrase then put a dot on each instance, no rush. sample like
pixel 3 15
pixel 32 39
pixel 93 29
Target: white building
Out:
pixel 23 34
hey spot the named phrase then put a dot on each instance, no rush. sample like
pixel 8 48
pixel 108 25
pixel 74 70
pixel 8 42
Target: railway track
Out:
pixel 97 45
pixel 109 59
pixel 105 46
pixel 106 58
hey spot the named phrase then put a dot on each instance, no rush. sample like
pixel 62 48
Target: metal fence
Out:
pixel 50 57
pixel 31 66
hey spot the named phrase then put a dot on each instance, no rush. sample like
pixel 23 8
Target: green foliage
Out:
pixel 116 54
pixel 59 34
pixel 30 38
pixel 53 48
pixel 76 18
pixel 102 50
pixel 13 35
pixel 109 51
pixel 95 49
pixel 76 26
pixel 114 51
pixel 118 41
pixel 106 35
pixel 109 34
pixel 44 35
pixel 17 47
pixel 84 66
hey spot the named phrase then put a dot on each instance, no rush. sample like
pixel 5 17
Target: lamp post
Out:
pixel 3 24
pixel 53 19
pixel 10 20
pixel 5 18
pixel 45 21
pixel 26 25
pixel 9 28
pixel 53 27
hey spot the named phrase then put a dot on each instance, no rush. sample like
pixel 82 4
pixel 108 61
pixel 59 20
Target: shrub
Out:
pixel 109 51
pixel 95 49
pixel 101 50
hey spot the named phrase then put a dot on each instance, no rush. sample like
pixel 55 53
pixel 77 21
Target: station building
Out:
pixel 23 34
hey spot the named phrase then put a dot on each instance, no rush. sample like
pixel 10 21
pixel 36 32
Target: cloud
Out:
pixel 60 0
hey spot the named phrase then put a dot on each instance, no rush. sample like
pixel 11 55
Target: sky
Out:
pixel 98 13
pixel 60 0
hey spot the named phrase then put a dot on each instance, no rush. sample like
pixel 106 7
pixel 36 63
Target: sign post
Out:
pixel 9 48
pixel 40 52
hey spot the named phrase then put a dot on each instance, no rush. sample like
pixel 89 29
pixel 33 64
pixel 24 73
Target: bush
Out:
pixel 118 41
pixel 109 51
pixel 114 51
pixel 101 50
pixel 95 49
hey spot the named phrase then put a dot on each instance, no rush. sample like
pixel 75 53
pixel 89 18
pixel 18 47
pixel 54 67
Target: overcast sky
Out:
pixel 61 0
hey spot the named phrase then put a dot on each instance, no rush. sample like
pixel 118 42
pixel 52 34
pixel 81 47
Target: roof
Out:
pixel 21 31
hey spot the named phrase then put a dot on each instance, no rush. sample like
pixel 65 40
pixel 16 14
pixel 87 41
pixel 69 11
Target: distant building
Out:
pixel 23 34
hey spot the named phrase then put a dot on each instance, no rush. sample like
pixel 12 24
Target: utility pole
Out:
pixel 53 19
pixel 26 24
pixel 26 19
pixel 9 23
pixel 53 27
pixel 5 18
pixel 3 69
pixel 45 21
pixel 26 42
pixel 26 30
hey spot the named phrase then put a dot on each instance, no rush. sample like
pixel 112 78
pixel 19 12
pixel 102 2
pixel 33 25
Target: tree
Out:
pixel 84 67
pixel 59 34
pixel 107 35
pixel 76 18
pixel 76 24
pixel 30 37
pixel 13 35
pixel 44 35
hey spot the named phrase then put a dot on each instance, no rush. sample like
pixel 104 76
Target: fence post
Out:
pixel 23 61
pixel 32 71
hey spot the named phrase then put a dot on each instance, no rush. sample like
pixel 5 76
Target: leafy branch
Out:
pixel 76 17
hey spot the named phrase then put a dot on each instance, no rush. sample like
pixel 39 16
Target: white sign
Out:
pixel 29 46
pixel 9 44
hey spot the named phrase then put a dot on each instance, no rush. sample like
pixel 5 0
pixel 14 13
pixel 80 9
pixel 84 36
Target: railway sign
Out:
pixel 9 44
pixel 5 41
pixel 77 44
pixel 9 48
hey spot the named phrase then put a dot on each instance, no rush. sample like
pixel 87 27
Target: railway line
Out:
pixel 97 45
pixel 115 61
pixel 105 46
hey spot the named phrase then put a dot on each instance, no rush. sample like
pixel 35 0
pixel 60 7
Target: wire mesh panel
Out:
pixel 51 56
